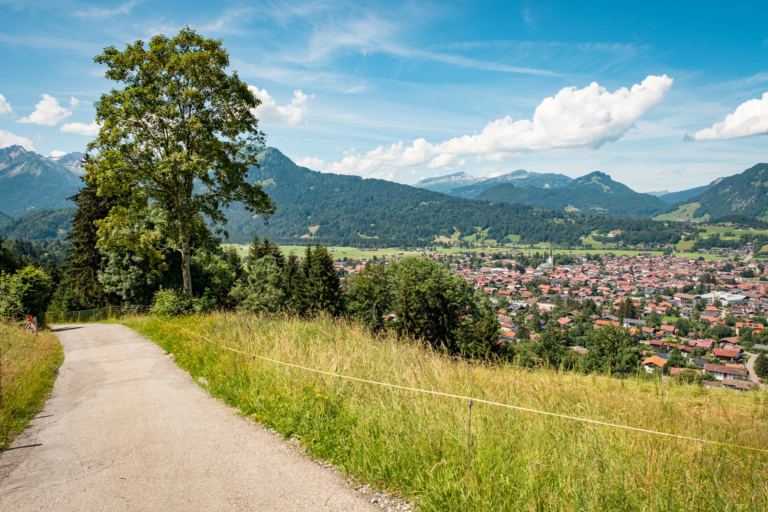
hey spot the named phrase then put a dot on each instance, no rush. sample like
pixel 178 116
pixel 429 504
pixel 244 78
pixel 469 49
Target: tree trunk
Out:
pixel 186 273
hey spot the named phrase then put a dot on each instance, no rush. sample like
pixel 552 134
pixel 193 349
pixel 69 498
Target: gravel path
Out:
pixel 126 429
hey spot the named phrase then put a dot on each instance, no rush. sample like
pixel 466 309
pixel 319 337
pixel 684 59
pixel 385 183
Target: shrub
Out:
pixel 688 376
pixel 28 291
pixel 175 302
pixel 172 303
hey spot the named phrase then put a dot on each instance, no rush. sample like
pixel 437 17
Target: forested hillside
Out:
pixel 744 194
pixel 38 225
pixel 327 206
pixel 595 194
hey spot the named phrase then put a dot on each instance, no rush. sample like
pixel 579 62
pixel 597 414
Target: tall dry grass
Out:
pixel 416 444
pixel 28 366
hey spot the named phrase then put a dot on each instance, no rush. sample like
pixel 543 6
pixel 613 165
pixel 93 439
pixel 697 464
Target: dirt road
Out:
pixel 126 429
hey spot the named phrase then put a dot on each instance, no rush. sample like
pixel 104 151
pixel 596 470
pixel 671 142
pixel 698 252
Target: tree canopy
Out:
pixel 181 132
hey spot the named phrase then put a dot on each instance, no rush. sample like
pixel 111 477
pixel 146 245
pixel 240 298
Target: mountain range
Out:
pixel 595 194
pixel 548 207
pixel 332 206
pixel 464 185
pixel 29 181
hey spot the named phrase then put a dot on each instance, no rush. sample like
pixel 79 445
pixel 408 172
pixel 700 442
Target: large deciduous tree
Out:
pixel 181 132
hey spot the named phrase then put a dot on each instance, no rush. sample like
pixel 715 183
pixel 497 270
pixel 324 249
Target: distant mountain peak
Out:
pixel 13 151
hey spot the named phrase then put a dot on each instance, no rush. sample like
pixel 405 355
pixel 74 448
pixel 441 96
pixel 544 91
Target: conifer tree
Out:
pixel 292 280
pixel 260 249
pixel 485 339
pixel 322 287
pixel 85 260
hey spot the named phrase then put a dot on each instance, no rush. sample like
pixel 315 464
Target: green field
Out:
pixel 737 233
pixel 353 253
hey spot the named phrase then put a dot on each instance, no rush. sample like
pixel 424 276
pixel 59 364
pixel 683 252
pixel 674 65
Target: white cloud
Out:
pixel 5 107
pixel 270 112
pixel 82 128
pixel 750 118
pixel 9 139
pixel 572 119
pixel 48 112
pixel 56 154
pixel 97 12
pixel 311 162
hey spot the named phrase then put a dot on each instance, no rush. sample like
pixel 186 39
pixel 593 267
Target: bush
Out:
pixel 172 303
pixel 688 376
pixel 27 292
pixel 761 366
pixel 176 302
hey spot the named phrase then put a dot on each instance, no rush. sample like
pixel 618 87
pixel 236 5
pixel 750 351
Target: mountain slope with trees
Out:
pixel 332 207
pixel 743 194
pixel 595 194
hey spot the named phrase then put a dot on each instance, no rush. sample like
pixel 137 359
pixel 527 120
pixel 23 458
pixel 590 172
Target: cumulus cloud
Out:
pixel 82 128
pixel 270 112
pixel 10 139
pixel 750 118
pixel 5 107
pixel 572 119
pixel 56 154
pixel 311 162
pixel 48 112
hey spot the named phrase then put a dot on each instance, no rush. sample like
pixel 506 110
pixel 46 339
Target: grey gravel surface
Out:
pixel 126 429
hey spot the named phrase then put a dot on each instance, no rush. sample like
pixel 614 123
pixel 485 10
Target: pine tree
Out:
pixel 485 339
pixel 292 280
pixel 323 286
pixel 261 249
pixel 85 260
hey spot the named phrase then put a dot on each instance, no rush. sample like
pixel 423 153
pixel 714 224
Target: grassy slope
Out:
pixel 29 366
pixel 415 444
pixel 684 212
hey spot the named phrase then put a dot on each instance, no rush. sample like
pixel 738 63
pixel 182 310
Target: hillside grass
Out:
pixel 415 444
pixel 28 366
pixel 684 212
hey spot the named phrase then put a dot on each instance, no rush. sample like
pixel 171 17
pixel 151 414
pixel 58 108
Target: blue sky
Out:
pixel 403 91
